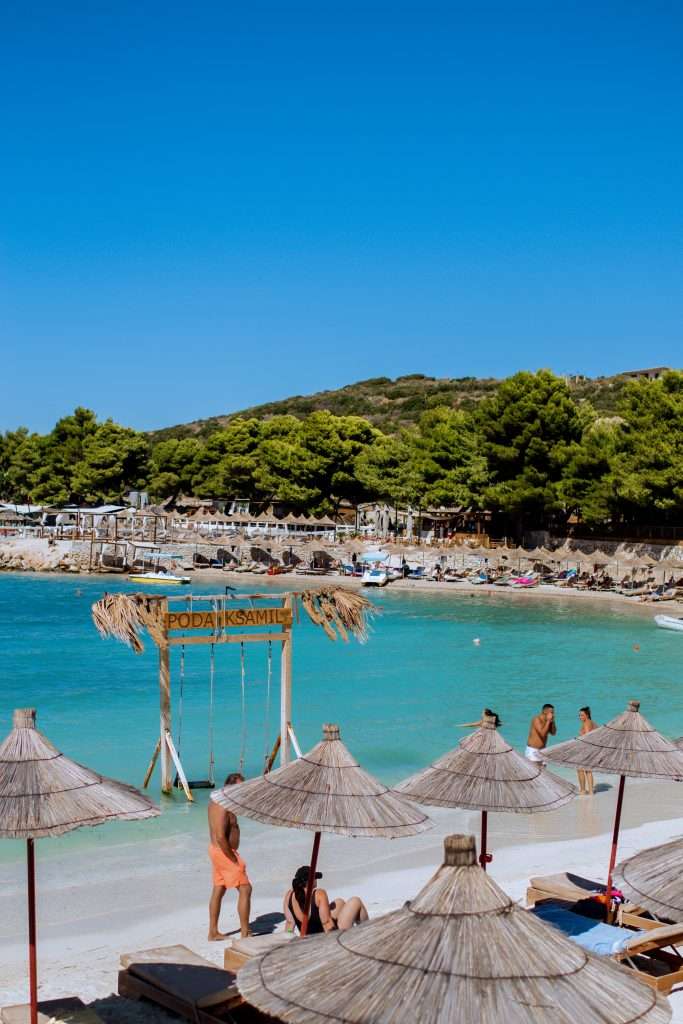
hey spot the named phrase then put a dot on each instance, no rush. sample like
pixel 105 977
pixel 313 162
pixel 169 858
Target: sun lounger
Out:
pixel 651 953
pixel 181 981
pixel 242 950
pixel 69 1010
pixel 572 888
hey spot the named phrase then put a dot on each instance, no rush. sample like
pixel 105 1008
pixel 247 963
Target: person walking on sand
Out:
pixel 585 778
pixel 229 870
pixel 542 726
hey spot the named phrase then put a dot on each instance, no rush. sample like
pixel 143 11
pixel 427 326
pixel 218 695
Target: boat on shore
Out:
pixel 669 622
pixel 375 577
pixel 167 579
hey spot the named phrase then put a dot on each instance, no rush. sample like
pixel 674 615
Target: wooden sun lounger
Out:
pixel 572 888
pixel 655 958
pixel 181 981
pixel 651 954
pixel 242 950
pixel 69 1010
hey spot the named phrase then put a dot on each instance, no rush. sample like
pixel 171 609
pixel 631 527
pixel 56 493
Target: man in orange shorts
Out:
pixel 229 870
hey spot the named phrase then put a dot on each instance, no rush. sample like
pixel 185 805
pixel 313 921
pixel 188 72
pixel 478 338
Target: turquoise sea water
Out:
pixel 397 698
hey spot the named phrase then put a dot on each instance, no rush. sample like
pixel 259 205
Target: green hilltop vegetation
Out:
pixel 533 448
pixel 391 405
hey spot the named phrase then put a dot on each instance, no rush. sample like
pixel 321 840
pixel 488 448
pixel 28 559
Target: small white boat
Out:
pixel 669 622
pixel 167 579
pixel 375 578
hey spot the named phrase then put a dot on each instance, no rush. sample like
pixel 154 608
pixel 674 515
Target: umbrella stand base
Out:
pixel 70 1009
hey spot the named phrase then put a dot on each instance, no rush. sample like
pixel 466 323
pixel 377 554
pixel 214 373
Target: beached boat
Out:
pixel 375 577
pixel 669 622
pixel 167 579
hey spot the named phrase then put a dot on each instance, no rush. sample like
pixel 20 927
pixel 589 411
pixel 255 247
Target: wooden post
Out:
pixel 165 715
pixel 615 836
pixel 286 689
pixel 310 885
pixel 32 958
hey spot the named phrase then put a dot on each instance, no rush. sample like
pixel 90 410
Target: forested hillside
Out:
pixel 532 447
pixel 393 404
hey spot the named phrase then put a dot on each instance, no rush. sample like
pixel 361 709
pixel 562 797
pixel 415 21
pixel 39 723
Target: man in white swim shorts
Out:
pixel 542 726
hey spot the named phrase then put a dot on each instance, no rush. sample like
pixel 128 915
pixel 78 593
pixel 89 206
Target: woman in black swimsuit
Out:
pixel 325 916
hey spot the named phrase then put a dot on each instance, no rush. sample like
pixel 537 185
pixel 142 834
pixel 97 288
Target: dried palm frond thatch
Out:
pixel 123 616
pixel 628 746
pixel 339 611
pixel 461 952
pixel 325 790
pixel 484 773
pixel 652 879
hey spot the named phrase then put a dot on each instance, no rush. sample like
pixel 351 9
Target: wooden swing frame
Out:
pixel 184 621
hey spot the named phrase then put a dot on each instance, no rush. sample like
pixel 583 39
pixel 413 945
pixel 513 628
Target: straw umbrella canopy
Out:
pixel 461 952
pixel 324 790
pixel 43 793
pixel 652 879
pixel 628 746
pixel 484 773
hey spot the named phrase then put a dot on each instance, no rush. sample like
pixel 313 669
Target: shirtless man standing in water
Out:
pixel 229 870
pixel 541 727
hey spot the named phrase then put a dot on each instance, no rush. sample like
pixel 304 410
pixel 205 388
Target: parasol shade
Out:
pixel 325 790
pixel 652 879
pixel 484 773
pixel 44 793
pixel 462 952
pixel 628 746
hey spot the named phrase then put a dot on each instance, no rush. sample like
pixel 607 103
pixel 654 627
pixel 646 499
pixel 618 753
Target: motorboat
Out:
pixel 166 579
pixel 669 622
pixel 376 577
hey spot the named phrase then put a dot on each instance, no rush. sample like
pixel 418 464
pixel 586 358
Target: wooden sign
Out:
pixel 229 617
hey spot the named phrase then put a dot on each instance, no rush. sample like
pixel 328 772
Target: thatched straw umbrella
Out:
pixel 325 790
pixel 652 879
pixel 626 746
pixel 484 773
pixel 43 793
pixel 461 952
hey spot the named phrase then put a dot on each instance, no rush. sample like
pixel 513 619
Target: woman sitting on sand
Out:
pixel 325 916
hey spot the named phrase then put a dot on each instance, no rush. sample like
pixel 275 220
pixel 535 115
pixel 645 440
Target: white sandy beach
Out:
pixel 99 901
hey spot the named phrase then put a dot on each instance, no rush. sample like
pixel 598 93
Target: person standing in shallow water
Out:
pixel 229 870
pixel 542 726
pixel 585 778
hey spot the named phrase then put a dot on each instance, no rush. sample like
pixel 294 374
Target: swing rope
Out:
pixel 181 699
pixel 243 747
pixel 212 667
pixel 266 723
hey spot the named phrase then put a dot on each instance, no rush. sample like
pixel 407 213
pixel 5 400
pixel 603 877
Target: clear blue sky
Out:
pixel 205 206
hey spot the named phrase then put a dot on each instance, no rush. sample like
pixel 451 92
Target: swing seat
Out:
pixel 195 783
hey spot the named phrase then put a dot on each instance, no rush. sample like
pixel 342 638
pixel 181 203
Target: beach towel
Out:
pixel 226 872
pixel 595 936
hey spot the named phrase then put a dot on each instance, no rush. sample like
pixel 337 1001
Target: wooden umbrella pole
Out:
pixel 32 959
pixel 310 884
pixel 484 857
pixel 615 835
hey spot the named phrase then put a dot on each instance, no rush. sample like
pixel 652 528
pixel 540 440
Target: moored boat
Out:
pixel 669 622
pixel 167 579
pixel 375 577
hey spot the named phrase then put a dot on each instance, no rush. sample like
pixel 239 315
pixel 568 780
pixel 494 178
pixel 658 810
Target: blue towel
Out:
pixel 595 936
